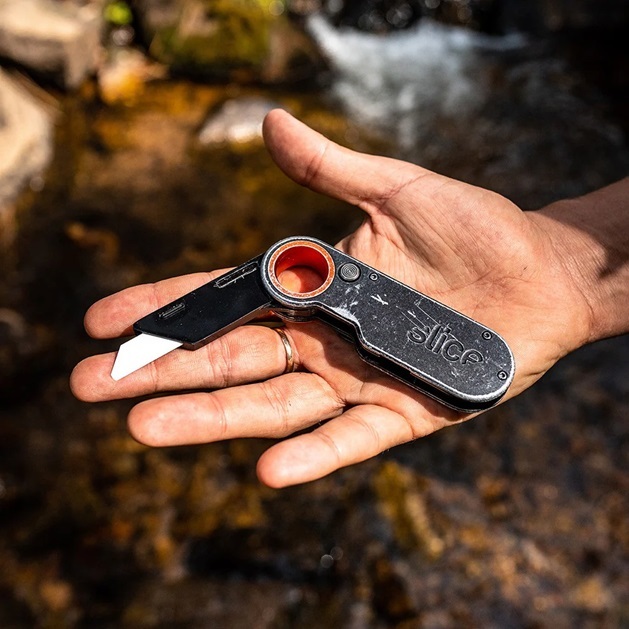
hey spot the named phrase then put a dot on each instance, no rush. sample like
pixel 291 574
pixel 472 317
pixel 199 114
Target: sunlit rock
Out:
pixel 26 141
pixel 238 121
pixel 122 78
pixel 59 40
pixel 237 40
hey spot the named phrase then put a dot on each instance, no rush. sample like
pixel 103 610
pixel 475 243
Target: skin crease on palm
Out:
pixel 467 247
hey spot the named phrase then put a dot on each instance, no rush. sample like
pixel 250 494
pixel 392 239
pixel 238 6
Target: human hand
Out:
pixel 464 246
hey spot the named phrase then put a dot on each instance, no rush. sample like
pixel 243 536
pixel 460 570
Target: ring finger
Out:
pixel 246 354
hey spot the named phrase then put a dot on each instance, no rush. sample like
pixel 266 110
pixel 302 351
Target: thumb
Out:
pixel 317 163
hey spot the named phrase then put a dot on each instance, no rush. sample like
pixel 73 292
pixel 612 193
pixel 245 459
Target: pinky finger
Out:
pixel 357 435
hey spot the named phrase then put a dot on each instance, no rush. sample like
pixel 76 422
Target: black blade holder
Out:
pixel 406 334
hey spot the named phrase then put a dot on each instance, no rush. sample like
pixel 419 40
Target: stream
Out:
pixel 516 519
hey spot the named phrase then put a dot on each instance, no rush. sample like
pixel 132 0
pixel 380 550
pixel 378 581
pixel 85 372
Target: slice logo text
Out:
pixel 438 339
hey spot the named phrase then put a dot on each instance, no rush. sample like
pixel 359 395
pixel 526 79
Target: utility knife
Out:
pixel 404 333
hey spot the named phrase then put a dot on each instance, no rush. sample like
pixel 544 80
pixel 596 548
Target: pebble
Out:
pixel 238 121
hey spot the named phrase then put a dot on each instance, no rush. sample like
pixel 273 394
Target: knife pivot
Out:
pixel 294 254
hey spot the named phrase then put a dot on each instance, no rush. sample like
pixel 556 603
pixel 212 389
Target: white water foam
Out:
pixel 403 79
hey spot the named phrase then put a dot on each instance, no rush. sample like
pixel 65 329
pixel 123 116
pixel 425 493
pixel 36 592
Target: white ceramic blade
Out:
pixel 140 351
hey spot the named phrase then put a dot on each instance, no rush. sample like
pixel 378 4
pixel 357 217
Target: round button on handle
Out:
pixel 349 272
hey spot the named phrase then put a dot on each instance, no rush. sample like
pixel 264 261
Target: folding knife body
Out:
pixel 393 327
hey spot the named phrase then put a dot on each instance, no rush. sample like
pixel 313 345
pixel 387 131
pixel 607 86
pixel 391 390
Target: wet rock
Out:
pixel 14 612
pixel 22 346
pixel 381 16
pixel 58 40
pixel 392 591
pixel 238 121
pixel 104 243
pixel 210 603
pixel 26 140
pixel 56 594
pixel 403 503
pixel 489 16
pixel 228 39
pixel 556 15
pixel 593 595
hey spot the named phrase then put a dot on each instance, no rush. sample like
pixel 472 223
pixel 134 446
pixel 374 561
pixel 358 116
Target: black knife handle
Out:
pixel 403 332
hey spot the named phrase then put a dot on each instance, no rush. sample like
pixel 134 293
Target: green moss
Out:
pixel 217 37
pixel 118 13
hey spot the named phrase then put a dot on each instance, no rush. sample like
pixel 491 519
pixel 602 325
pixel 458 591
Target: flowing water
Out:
pixel 516 519
pixel 497 111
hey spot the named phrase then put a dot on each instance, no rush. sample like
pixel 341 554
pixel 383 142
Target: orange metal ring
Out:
pixel 301 253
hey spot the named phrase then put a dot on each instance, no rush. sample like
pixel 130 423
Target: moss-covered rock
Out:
pixel 237 40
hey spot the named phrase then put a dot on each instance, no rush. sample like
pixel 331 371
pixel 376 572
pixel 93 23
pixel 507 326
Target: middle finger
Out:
pixel 274 408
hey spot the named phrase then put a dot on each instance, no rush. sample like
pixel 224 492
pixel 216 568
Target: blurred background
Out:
pixel 130 151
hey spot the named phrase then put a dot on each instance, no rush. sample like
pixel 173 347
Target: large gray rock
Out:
pixel 26 141
pixel 61 40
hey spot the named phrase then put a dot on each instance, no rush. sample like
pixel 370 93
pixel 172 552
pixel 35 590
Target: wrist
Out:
pixel 589 236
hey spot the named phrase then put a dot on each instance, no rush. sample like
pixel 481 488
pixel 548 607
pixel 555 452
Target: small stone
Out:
pixel 57 595
pixel 121 80
pixel 238 121
pixel 392 593
pixel 592 595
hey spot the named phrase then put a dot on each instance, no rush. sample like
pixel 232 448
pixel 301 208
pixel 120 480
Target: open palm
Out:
pixel 467 247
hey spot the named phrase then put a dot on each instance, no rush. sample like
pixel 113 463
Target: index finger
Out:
pixel 114 315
